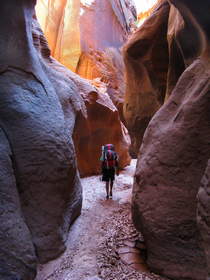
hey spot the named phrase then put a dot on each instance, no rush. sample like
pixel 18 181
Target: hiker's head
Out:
pixel 109 147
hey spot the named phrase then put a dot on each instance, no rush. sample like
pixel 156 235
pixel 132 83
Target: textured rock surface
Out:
pixel 171 164
pixel 146 59
pixel 204 213
pixel 40 188
pixel 17 254
pixel 184 43
pixel 102 126
pixel 100 61
pixel 92 48
pixel 155 57
pixel 167 179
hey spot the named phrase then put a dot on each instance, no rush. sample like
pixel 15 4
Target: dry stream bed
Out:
pixel 102 244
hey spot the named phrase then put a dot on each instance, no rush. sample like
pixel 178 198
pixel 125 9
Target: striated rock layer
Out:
pixel 175 151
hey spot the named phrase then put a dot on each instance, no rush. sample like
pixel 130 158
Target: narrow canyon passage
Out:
pixel 102 231
pixel 75 76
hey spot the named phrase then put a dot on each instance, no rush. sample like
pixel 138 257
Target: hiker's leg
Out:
pixel 107 189
pixel 111 186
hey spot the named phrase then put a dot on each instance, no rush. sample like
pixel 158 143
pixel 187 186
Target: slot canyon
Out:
pixel 76 75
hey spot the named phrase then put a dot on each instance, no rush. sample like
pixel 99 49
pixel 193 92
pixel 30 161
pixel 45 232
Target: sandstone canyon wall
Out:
pixel 101 126
pixel 175 147
pixel 40 189
pixel 92 47
pixel 40 103
pixel 146 59
pixel 159 51
pixel 59 20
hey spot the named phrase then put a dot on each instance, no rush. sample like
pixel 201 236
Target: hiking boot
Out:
pixel 110 194
pixel 107 197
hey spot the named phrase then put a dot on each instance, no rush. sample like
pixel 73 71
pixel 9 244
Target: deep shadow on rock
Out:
pixel 146 60
pixel 156 56
pixel 171 164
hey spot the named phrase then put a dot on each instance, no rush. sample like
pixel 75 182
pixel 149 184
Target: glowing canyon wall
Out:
pixel 59 20
pixel 87 39
pixel 86 36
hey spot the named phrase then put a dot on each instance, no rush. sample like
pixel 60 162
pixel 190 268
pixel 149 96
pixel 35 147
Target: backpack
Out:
pixel 109 156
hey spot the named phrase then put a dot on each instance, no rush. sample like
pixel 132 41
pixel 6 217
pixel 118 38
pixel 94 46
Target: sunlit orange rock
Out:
pixel 87 38
pixel 101 126
pixel 60 22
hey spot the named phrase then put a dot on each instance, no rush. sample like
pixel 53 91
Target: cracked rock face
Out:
pixel 40 189
pixel 172 161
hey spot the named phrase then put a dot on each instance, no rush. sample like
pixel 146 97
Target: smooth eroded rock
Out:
pixel 40 188
pixel 146 60
pixel 171 163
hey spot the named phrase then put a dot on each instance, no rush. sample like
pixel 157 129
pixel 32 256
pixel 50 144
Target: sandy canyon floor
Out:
pixel 102 243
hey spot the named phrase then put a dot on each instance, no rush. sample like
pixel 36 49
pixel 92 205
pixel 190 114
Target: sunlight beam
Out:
pixel 144 5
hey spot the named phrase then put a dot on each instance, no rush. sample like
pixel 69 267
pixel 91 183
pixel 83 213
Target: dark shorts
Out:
pixel 108 174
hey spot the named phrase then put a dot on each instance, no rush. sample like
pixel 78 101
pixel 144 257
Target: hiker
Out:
pixel 109 166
